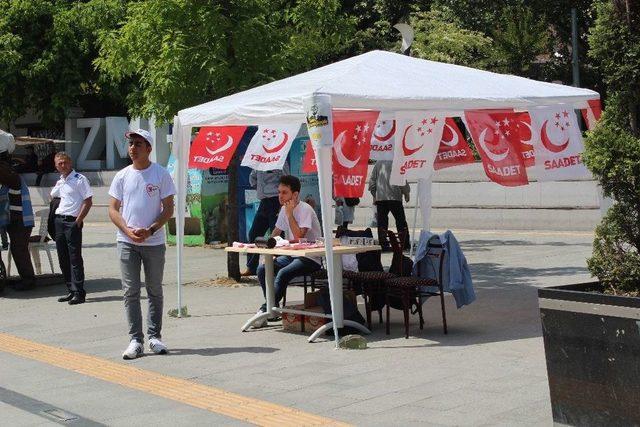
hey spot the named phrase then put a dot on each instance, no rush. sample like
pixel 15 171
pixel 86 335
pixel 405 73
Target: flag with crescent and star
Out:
pixel 558 144
pixel 269 147
pixel 383 138
pixel 417 143
pixel 309 159
pixel 496 134
pixel 214 146
pixel 351 145
pixel 592 113
pixel 454 149
pixel 527 138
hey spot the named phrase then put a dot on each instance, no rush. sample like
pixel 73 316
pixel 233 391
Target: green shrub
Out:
pixel 612 154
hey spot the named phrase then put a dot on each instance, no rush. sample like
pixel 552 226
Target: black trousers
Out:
pixel 19 237
pixel 265 220
pixel 69 246
pixel 384 207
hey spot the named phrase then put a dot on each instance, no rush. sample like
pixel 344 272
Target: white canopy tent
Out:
pixel 378 80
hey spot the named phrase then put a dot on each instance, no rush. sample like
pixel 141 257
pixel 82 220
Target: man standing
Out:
pixel 388 198
pixel 141 203
pixel 16 213
pixel 76 198
pixel 298 220
pixel 266 184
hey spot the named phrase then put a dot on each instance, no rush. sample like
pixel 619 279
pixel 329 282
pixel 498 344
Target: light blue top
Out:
pixel 456 276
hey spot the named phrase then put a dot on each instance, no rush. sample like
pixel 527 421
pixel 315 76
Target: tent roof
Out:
pixel 383 81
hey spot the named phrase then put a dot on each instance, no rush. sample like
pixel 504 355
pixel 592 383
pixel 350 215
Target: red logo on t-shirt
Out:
pixel 151 189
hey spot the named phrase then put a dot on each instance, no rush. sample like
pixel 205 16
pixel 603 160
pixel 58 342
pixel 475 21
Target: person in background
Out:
pixel 297 220
pixel 46 163
pixel 141 204
pixel 388 198
pixel 16 212
pixel 76 198
pixel 30 162
pixel 345 211
pixel 266 184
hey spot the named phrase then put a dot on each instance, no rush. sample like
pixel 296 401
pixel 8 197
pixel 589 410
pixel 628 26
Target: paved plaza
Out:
pixel 489 369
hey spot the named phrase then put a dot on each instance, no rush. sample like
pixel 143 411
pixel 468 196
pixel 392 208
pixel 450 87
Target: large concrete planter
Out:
pixel 592 348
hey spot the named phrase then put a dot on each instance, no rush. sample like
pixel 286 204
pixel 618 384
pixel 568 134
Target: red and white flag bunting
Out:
pixel 592 113
pixel 454 149
pixel 527 137
pixel 351 146
pixel 418 139
pixel 309 159
pixel 497 138
pixel 269 147
pixel 383 138
pixel 214 146
pixel 558 144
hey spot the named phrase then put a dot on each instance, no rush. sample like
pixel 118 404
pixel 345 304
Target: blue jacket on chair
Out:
pixel 456 276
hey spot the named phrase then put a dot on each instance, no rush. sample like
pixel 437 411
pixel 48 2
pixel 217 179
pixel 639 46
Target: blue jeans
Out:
pixel 285 268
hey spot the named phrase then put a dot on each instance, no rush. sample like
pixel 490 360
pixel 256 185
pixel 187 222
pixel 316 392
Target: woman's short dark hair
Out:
pixel 291 181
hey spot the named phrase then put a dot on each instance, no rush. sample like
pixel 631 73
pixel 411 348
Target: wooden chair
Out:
pixel 410 290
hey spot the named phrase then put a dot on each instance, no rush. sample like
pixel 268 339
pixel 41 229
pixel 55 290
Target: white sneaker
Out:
pixel 133 351
pixel 260 323
pixel 157 346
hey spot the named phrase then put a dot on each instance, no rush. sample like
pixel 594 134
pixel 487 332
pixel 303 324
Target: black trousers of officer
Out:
pixel 69 246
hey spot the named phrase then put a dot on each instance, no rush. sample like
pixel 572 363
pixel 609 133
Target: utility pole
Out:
pixel 574 47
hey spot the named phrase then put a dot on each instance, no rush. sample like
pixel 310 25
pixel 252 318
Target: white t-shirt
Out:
pixel 72 190
pixel 306 217
pixel 140 193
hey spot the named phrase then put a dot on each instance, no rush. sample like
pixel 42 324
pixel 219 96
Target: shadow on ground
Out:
pixel 506 309
pixel 488 245
pixel 92 286
pixel 220 350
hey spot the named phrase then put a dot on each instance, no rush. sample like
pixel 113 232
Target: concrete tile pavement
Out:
pixel 489 369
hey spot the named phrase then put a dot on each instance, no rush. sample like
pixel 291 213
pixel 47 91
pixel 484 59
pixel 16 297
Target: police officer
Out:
pixel 16 213
pixel 75 201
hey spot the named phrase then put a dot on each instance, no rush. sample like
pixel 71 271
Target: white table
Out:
pixel 337 316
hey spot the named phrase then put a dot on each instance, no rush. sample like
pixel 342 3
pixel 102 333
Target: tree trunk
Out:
pixel 233 258
pixel 633 117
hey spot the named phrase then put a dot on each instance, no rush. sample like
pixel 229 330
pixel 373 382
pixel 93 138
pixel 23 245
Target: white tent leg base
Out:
pixel 322 329
pixel 254 319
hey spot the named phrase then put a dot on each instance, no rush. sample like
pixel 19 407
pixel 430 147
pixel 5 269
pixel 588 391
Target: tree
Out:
pixel 46 54
pixel 518 40
pixel 439 36
pixel 613 148
pixel 615 47
pixel 186 52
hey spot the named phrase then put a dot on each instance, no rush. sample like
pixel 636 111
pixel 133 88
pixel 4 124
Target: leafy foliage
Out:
pixel 613 155
pixel 615 42
pixel 46 54
pixel 613 147
pixel 519 39
pixel 441 37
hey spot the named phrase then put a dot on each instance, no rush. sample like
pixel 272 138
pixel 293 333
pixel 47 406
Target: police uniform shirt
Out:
pixel 72 190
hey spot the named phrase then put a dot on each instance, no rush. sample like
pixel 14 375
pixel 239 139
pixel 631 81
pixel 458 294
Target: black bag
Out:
pixel 351 201
pixel 367 261
pixel 350 312
pixel 51 220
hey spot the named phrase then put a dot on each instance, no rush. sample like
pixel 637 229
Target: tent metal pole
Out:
pixel 320 127
pixel 181 174
pixel 415 218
